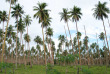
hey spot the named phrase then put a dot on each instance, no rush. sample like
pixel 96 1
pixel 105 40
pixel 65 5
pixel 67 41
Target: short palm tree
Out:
pixel 17 12
pixel 42 15
pixel 76 15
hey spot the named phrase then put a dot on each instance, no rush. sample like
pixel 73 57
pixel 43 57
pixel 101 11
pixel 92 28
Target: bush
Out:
pixel 50 70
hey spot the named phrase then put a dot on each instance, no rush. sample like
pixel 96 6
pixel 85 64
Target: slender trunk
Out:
pixel 70 37
pixel 3 46
pixel 24 55
pixel 106 41
pixel 108 22
pixel 87 47
pixel 48 42
pixel 12 54
pixel 44 44
pixel 51 52
pixel 98 51
pixel 78 43
pixel 16 43
pixel 66 36
pixel 3 32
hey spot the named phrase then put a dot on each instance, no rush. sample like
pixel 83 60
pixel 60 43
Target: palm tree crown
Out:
pixel 75 13
pixel 12 1
pixel 17 11
pixel 65 15
pixel 27 20
pixel 41 13
pixel 101 11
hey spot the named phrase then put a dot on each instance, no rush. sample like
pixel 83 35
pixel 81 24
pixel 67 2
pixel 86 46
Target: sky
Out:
pixel 92 25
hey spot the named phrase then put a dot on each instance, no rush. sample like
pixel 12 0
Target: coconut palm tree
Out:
pixel 101 11
pixel 65 16
pixel 4 18
pixel 76 15
pixel 38 40
pixel 62 40
pixel 27 39
pixel 46 24
pixel 50 33
pixel 17 12
pixel 3 46
pixel 27 21
pixel 42 15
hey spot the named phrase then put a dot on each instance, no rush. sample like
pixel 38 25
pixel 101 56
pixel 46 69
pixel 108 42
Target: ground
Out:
pixel 38 69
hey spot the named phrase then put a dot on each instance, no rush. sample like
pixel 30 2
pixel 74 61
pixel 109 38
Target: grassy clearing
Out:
pixel 59 70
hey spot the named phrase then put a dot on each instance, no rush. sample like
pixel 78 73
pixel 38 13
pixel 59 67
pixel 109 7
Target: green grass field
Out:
pixel 58 70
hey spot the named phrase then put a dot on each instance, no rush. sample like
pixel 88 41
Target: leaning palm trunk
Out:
pixel 16 43
pixel 107 43
pixel 78 43
pixel 70 37
pixel 3 46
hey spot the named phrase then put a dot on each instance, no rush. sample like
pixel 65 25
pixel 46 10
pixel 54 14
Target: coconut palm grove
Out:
pixel 54 37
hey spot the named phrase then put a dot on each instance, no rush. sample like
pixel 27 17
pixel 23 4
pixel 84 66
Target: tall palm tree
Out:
pixel 65 16
pixel 3 46
pixel 21 29
pixel 42 15
pixel 100 12
pixel 76 15
pixel 46 24
pixel 27 21
pixel 17 12
pixel 50 33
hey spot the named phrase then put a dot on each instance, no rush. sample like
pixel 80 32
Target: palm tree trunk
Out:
pixel 44 46
pixel 108 22
pixel 98 50
pixel 66 36
pixel 24 55
pixel 3 46
pixel 87 47
pixel 12 55
pixel 78 43
pixel 70 37
pixel 106 41
pixel 16 43
pixel 48 42
pixel 51 52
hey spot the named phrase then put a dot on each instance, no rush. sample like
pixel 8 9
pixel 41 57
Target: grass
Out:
pixel 40 69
